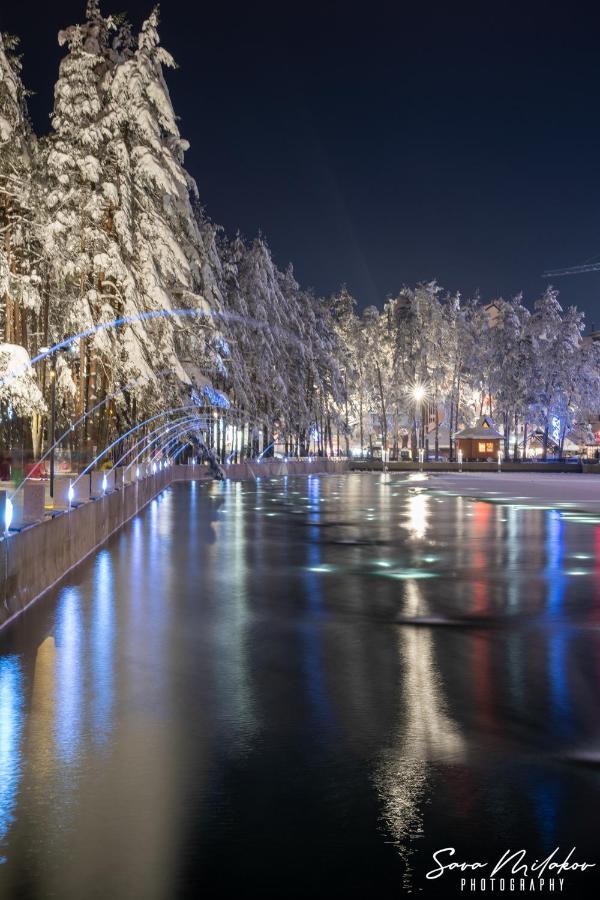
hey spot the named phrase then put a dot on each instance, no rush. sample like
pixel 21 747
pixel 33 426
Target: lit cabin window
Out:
pixel 486 447
pixel 481 446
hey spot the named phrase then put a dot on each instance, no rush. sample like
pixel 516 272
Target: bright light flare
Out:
pixel 418 391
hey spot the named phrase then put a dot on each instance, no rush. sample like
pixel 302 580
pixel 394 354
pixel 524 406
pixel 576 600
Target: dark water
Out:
pixel 303 688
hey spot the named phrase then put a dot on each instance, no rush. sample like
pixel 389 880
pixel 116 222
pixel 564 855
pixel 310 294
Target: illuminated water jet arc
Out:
pixel 173 442
pixel 127 433
pixel 159 431
pixel 260 455
pixel 82 418
pixel 163 449
pixel 180 427
pixel 199 417
pixel 185 423
pixel 175 455
pixel 143 317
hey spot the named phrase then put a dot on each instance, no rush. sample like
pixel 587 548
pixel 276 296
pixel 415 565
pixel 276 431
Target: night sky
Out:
pixel 380 144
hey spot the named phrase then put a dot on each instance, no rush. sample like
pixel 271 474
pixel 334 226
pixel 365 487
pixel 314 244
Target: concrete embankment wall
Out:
pixel 275 468
pixel 34 559
pixel 441 466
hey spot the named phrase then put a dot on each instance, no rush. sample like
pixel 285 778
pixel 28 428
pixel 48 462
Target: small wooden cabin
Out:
pixel 479 443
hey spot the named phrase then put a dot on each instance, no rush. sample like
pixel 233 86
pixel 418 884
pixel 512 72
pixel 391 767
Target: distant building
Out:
pixel 479 443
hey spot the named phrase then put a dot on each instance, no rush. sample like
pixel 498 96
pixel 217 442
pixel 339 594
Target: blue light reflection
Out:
pixel 11 727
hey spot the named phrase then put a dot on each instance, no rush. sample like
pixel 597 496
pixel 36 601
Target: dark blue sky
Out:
pixel 383 143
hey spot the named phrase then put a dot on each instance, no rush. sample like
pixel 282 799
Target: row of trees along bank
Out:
pixel 99 220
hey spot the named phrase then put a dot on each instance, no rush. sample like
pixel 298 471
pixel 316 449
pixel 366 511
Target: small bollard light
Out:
pixel 104 483
pixel 154 468
pixel 70 494
pixel 8 514
pixel 460 458
pixel 137 472
pixel 421 458
pixel 499 460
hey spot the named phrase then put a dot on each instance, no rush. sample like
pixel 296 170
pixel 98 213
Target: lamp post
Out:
pixel 418 392
pixel 52 421
pixel 69 348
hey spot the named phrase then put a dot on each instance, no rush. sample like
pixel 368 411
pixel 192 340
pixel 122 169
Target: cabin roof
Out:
pixel 483 430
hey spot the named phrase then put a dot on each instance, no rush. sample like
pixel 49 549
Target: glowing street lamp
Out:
pixel 419 392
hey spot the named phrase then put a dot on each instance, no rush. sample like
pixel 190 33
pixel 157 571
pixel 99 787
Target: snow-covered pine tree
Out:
pixel 88 275
pixel 241 337
pixel 268 336
pixel 346 326
pixel 556 343
pixel 17 146
pixel 19 246
pixel 158 226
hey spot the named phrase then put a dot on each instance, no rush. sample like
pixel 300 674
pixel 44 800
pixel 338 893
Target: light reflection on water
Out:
pixel 11 725
pixel 69 668
pixel 367 674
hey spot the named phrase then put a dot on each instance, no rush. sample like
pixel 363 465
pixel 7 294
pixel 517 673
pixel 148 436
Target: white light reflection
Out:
pixel 418 514
pixel 232 666
pixel 69 652
pixel 425 730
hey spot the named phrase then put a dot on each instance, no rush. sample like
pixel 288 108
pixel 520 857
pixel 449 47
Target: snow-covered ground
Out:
pixel 532 489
